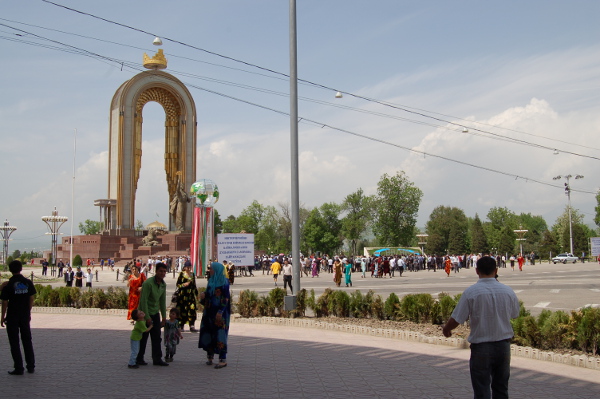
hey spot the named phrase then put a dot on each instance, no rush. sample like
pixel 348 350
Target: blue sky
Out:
pixel 521 70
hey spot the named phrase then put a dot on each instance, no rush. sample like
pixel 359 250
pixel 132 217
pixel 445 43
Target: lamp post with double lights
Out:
pixel 6 230
pixel 568 193
pixel 54 224
pixel 521 233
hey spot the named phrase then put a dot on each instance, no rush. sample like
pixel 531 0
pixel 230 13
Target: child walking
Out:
pixel 172 334
pixel 136 335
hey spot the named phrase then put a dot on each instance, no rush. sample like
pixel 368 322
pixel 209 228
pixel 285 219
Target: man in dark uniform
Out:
pixel 17 300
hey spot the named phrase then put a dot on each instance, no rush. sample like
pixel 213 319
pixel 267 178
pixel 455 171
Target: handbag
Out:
pixel 175 296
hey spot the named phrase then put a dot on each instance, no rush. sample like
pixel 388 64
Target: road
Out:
pixel 542 286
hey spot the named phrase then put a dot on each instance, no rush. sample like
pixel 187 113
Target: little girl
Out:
pixel 172 334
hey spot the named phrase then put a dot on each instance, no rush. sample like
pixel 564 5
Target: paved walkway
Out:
pixel 86 356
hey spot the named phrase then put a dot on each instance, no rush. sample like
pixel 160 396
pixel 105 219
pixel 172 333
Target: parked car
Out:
pixel 564 258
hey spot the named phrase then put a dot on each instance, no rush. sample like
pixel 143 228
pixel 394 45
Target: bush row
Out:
pixel 579 329
pixel 112 298
pixel 418 308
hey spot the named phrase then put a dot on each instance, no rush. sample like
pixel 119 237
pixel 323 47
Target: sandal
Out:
pixel 209 362
pixel 221 365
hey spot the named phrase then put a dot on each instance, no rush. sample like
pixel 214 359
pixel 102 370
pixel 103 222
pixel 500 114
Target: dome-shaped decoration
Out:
pixel 156 225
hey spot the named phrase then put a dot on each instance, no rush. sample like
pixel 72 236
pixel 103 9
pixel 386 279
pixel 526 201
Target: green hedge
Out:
pixel 112 298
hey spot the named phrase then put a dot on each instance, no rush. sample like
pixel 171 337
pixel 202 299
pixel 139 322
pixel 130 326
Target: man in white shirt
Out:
pixel 489 305
pixel 287 276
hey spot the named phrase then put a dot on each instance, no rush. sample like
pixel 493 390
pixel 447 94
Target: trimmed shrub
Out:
pixel 247 304
pixel 588 330
pixel 275 297
pixel 417 307
pixel 322 305
pixel 301 299
pixel 357 305
pixel 339 304
pixel 447 305
pixel 391 307
pixel 264 307
pixel 377 308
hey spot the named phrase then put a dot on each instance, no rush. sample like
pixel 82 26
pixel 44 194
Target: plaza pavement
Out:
pixel 85 356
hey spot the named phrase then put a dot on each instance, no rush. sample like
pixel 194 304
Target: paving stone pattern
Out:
pixel 83 355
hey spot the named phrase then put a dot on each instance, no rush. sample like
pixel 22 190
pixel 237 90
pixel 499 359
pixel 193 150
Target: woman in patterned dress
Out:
pixel 186 300
pixel 214 327
pixel 135 289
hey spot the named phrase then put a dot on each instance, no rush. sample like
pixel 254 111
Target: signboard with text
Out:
pixel 236 248
pixel 595 246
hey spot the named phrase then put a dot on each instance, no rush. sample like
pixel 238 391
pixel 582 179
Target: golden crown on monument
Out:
pixel 157 62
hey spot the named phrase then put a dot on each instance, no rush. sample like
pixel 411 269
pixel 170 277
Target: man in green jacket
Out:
pixel 153 304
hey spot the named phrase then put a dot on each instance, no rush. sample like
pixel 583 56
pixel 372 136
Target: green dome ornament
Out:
pixel 205 191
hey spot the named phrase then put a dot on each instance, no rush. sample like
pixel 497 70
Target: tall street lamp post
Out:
pixel 54 224
pixel 520 233
pixel 6 230
pixel 422 237
pixel 568 193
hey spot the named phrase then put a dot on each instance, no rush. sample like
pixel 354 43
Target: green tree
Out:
pixel 536 226
pixel 561 228
pixel 321 231
pixel 139 226
pixel 90 227
pixel 447 229
pixel 284 228
pixel 230 225
pixel 597 218
pixel 357 207
pixel 548 244
pixel 16 254
pixel 266 238
pixel 479 243
pixel 77 261
pixel 396 207
pixel 502 222
pixel 250 219
pixel 218 223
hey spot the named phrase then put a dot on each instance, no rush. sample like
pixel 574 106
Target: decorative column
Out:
pixel 206 193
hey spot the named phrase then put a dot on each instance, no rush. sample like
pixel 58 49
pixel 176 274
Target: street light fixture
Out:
pixel 521 233
pixel 6 230
pixel 422 237
pixel 54 223
pixel 568 193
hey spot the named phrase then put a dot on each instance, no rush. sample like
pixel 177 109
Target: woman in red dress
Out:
pixel 135 289
pixel 448 265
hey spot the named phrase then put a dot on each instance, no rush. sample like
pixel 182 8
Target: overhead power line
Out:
pixel 414 111
pixel 136 67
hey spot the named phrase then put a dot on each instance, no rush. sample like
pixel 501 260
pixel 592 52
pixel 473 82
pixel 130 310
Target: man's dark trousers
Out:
pixel 155 337
pixel 13 327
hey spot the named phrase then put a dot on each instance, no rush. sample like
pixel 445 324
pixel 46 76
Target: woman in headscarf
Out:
pixel 348 271
pixel 214 327
pixel 186 300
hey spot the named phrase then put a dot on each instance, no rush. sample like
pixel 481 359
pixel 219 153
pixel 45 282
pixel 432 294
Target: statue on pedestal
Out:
pixel 150 239
pixel 178 205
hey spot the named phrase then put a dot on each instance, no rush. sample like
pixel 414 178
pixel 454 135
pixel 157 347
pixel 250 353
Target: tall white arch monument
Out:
pixel 125 145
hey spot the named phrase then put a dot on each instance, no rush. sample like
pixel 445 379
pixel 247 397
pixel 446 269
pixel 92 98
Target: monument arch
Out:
pixel 125 147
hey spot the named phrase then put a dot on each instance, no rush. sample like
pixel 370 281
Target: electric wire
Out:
pixel 358 96
pixel 77 50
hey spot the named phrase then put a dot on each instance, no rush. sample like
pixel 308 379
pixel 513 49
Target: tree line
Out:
pixel 388 218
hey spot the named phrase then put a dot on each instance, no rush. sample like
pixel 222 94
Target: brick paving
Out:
pixel 86 355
